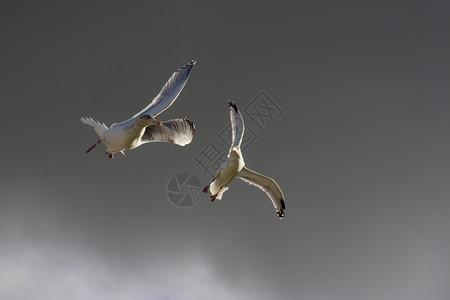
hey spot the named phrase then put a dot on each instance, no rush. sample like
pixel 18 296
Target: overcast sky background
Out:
pixel 361 150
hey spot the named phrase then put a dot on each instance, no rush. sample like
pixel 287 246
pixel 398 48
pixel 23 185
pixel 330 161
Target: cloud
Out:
pixel 43 257
pixel 34 272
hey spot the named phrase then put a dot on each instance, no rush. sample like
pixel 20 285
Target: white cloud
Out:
pixel 34 273
pixel 40 259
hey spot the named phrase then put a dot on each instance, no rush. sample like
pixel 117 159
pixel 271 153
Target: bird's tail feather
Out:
pixel 100 128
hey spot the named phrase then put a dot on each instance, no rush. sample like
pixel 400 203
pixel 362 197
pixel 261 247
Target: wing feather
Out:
pixel 178 131
pixel 268 185
pixel 166 96
pixel 237 125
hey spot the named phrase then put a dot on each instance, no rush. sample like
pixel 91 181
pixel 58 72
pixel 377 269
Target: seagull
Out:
pixel 234 167
pixel 143 127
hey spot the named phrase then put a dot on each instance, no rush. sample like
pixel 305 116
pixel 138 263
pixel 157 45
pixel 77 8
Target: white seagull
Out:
pixel 235 167
pixel 142 127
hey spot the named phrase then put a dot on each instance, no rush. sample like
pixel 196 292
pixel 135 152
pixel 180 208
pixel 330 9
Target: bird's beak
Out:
pixel 159 123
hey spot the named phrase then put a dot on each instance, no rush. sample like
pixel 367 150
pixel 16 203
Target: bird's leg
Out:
pixel 213 197
pixel 93 146
pixel 205 190
pixel 110 155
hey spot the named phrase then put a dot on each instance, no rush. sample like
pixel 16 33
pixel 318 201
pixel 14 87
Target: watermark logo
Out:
pixel 262 109
pixel 184 190
pixel 210 158
pixel 250 137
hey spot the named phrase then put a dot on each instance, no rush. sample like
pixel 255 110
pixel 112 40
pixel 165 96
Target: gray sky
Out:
pixel 361 151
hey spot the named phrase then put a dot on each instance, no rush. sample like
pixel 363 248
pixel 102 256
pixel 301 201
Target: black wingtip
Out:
pixel 188 65
pixel 233 105
pixel 191 123
pixel 281 213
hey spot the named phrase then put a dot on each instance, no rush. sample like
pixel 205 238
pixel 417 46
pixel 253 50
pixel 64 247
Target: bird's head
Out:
pixel 147 120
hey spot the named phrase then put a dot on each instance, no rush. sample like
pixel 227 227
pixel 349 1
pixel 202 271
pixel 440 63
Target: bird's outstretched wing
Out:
pixel 237 125
pixel 166 96
pixel 268 185
pixel 178 131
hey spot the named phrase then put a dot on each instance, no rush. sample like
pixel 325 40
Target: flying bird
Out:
pixel 234 167
pixel 143 127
